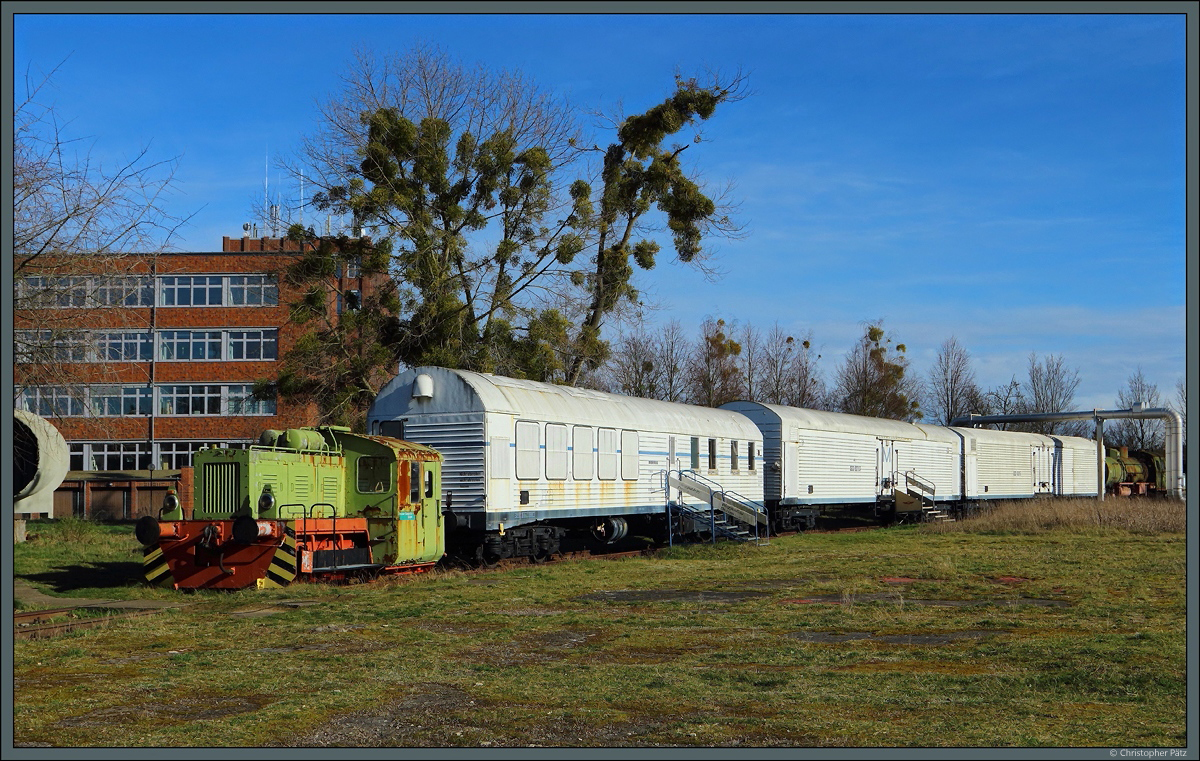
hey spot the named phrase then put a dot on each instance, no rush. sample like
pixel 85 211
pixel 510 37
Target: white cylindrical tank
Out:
pixel 41 459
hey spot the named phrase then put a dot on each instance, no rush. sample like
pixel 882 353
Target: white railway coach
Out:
pixel 1015 465
pixel 520 453
pixel 817 458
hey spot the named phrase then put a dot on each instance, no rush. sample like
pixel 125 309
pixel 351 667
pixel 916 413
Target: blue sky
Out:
pixel 1016 181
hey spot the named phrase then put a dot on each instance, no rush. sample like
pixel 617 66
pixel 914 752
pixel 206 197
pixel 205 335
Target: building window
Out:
pixel 124 347
pixel 124 292
pixel 52 292
pixel 189 344
pixel 189 400
pixel 242 402
pixel 253 344
pixel 349 301
pixel 53 401
pixel 192 290
pixel 118 401
pixel 253 290
pixel 124 455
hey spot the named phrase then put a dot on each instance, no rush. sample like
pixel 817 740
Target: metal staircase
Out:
pixel 722 513
pixel 916 493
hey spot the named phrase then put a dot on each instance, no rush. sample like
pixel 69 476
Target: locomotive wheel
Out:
pixel 540 555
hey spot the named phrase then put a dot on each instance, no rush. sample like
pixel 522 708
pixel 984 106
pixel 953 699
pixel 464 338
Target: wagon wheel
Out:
pixel 486 558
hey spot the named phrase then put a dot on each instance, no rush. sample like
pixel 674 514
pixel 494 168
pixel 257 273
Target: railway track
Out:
pixel 37 624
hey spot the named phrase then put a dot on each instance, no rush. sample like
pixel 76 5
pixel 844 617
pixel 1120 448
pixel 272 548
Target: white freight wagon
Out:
pixel 519 452
pixel 817 458
pixel 1016 465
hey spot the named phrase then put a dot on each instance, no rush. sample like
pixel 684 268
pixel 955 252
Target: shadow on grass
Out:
pixel 89 576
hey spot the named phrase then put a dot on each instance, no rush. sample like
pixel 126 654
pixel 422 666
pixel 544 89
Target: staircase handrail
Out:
pixel 923 485
pixel 738 502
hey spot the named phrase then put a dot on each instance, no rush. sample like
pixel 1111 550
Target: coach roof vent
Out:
pixel 422 387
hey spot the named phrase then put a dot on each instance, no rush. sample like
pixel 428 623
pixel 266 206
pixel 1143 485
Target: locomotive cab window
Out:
pixel 414 482
pixel 392 428
pixel 428 482
pixel 374 474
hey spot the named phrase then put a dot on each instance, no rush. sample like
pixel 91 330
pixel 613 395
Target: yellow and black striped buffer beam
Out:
pixel 155 567
pixel 282 570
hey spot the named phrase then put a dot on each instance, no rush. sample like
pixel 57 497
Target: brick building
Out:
pixel 151 363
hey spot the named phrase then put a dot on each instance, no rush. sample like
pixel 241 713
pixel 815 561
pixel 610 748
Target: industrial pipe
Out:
pixel 1172 423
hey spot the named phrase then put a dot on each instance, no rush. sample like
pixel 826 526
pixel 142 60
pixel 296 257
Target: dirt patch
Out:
pixel 542 647
pixel 406 722
pixel 439 715
pixel 635 596
pixel 170 711
pixel 856 598
pixel 944 638
pixel 915 667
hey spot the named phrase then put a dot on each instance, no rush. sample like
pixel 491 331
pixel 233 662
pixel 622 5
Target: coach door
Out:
pixel 791 469
pixel 886 467
pixel 1043 469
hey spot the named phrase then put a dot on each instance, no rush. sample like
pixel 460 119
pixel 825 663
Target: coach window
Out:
pixel 556 452
pixel 750 455
pixel 629 455
pixel 695 453
pixel 582 457
pixel 606 459
pixel 712 454
pixel 392 428
pixel 528 451
pixel 374 475
pixel 733 455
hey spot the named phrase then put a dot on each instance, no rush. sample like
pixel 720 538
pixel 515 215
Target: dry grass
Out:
pixel 1136 515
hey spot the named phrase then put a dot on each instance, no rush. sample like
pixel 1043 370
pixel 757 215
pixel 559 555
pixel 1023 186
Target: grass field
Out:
pixel 993 633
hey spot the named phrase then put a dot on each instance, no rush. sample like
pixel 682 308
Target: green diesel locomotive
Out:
pixel 302 503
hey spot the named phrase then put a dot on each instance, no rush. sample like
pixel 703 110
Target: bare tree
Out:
pixel 76 223
pixel 751 360
pixel 951 385
pixel 1179 404
pixel 788 371
pixel 634 366
pixel 1051 387
pixel 673 348
pixel 1137 434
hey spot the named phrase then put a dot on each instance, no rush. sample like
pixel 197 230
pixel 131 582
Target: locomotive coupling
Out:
pixel 149 530
pixel 247 530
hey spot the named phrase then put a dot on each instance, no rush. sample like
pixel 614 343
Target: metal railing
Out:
pixel 729 503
